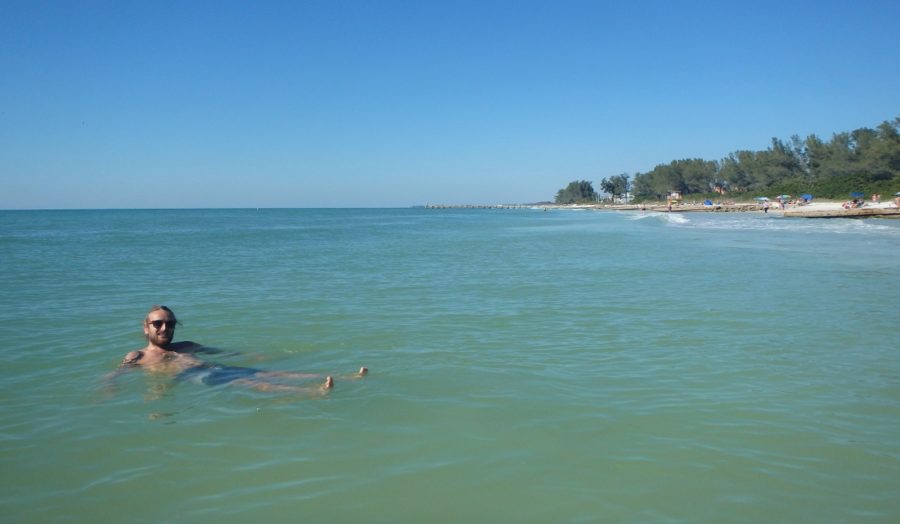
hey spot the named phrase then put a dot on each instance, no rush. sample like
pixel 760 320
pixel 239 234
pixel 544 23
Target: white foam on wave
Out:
pixel 801 225
pixel 664 218
pixel 676 218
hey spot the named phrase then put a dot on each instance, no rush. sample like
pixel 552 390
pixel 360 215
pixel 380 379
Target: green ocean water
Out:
pixel 525 366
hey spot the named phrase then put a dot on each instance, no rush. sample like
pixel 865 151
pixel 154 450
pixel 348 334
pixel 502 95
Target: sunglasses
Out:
pixel 159 323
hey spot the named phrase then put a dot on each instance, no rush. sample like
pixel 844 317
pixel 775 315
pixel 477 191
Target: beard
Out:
pixel 162 339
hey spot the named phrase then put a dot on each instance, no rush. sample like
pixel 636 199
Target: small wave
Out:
pixel 799 225
pixel 665 218
pixel 640 216
pixel 676 218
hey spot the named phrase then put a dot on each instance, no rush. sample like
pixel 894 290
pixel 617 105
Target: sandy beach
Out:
pixel 838 206
pixel 837 210
pixel 816 209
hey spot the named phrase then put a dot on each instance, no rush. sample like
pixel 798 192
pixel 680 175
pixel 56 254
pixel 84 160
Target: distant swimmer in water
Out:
pixel 163 356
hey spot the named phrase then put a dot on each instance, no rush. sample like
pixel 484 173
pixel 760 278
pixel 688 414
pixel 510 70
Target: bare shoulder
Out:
pixel 132 358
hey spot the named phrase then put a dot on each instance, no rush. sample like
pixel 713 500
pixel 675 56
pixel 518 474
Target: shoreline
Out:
pixel 823 209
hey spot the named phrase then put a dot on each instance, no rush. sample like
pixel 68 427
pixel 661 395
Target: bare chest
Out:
pixel 168 363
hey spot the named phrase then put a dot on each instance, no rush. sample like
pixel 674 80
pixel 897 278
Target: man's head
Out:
pixel 159 326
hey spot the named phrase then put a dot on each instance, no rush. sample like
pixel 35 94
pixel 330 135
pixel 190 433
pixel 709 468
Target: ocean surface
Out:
pixel 525 366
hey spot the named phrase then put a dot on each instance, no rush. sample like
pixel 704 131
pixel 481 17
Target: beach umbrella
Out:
pixel 707 202
pixel 806 196
pixel 784 197
pixel 857 194
pixel 763 199
pixel 897 193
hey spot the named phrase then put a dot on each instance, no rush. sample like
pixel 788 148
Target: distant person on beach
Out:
pixel 765 206
pixel 177 359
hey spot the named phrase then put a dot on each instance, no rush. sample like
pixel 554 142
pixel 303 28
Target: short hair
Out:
pixel 161 308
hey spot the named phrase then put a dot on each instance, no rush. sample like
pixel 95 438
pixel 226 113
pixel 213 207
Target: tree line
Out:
pixel 865 160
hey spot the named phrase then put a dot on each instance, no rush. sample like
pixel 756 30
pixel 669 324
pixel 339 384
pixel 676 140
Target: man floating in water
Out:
pixel 177 358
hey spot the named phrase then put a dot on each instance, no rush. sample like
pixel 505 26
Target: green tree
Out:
pixel 686 176
pixel 617 186
pixel 865 160
pixel 576 192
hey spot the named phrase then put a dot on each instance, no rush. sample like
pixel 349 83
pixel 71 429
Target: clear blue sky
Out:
pixel 396 103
